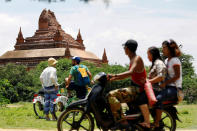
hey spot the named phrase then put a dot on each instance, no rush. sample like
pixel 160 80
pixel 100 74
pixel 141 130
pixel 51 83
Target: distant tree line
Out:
pixel 18 84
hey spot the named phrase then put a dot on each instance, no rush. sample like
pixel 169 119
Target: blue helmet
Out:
pixel 77 59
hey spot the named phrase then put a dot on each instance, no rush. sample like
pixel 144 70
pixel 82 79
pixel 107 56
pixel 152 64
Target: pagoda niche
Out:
pixel 67 52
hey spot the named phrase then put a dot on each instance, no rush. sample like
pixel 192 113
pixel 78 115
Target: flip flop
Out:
pixel 145 125
pixel 48 119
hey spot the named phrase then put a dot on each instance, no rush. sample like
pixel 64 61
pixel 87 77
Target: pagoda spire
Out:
pixel 67 52
pixel 20 39
pixel 79 38
pixel 104 58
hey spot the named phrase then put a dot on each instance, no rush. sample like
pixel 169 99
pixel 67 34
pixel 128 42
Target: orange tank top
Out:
pixel 139 78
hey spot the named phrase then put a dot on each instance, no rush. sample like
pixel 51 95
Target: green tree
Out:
pixel 189 78
pixel 17 83
pixel 7 92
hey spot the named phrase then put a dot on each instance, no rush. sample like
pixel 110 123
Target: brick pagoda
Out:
pixel 48 41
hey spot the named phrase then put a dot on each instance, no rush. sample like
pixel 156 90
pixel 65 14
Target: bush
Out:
pixel 5 91
pixel 63 68
pixel 16 84
pixel 3 100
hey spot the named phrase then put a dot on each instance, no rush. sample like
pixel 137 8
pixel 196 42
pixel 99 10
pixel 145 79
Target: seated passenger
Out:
pixel 174 77
pixel 158 71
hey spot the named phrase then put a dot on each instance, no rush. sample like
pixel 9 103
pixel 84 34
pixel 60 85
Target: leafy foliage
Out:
pixel 18 84
pixel 189 78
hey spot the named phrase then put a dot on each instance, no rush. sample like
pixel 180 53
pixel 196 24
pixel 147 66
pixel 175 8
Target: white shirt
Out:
pixel 49 77
pixel 172 62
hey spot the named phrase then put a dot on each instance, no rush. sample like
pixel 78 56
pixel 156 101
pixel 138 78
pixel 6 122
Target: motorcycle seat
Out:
pixel 170 103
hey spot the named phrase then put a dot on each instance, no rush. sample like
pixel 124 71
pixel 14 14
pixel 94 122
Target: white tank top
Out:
pixel 172 62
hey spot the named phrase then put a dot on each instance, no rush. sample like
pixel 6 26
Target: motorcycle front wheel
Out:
pixel 69 120
pixel 39 109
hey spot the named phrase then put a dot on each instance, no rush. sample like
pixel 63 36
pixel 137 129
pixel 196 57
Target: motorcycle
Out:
pixel 38 104
pixel 60 103
pixel 82 114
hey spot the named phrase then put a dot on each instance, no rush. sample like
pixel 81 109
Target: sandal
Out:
pixel 145 125
pixel 153 125
pixel 48 119
pixel 158 129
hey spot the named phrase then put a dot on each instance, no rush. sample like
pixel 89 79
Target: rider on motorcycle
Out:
pixel 78 71
pixel 138 75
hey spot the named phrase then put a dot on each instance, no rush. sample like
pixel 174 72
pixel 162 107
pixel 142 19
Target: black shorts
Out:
pixel 142 98
pixel 81 91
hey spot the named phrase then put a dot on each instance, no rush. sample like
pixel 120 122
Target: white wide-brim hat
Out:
pixel 52 61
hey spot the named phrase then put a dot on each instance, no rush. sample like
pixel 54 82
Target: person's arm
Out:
pixel 41 79
pixel 68 81
pixel 177 70
pixel 126 73
pixel 160 69
pixel 89 74
pixel 53 78
pixel 156 79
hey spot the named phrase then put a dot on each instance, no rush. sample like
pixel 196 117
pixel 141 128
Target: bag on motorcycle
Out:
pixel 180 95
pixel 149 93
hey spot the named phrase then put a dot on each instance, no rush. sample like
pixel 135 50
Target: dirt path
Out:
pixel 54 130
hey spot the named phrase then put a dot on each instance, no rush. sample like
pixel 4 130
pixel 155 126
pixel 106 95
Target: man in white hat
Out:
pixel 48 79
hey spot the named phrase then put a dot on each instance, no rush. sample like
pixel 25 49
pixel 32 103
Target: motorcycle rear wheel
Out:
pixel 168 122
pixel 39 110
pixel 69 120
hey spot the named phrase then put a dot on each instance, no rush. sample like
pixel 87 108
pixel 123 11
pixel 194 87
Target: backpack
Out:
pixel 82 76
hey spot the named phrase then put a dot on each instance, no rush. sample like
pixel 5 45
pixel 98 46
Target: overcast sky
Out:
pixel 149 22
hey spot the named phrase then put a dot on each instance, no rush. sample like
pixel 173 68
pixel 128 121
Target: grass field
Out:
pixel 188 116
pixel 21 116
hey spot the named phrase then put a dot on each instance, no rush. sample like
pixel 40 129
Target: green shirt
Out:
pixel 74 72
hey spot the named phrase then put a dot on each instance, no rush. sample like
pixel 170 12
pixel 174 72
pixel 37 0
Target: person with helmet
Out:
pixel 137 73
pixel 82 77
pixel 48 79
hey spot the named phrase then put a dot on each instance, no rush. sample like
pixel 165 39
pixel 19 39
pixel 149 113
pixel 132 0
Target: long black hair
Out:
pixel 155 54
pixel 173 48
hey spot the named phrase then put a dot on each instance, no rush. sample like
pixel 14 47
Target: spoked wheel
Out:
pixel 138 128
pixel 39 109
pixel 58 108
pixel 69 120
pixel 167 122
